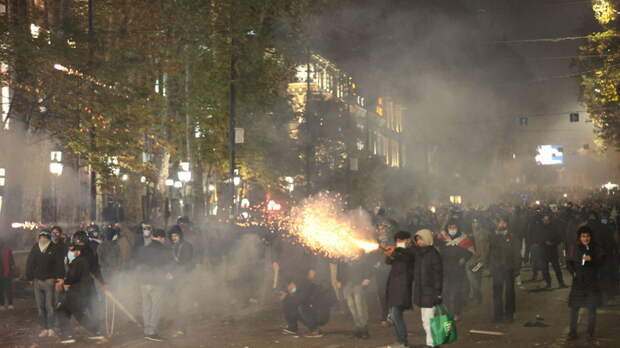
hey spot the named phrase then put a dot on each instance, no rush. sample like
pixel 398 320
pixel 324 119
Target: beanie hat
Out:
pixel 426 235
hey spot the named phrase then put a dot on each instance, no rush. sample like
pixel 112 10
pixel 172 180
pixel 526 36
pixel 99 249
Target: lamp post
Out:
pixel 56 168
pixel 169 184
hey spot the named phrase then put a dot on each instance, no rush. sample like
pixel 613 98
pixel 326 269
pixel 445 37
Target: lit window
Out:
pixel 379 107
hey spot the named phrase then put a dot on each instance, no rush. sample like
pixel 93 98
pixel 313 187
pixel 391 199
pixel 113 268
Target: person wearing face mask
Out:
pixel 505 264
pixel 604 237
pixel 183 261
pixel 143 235
pixel 45 268
pixel 399 284
pixel 455 249
pixel 78 285
pixel 108 252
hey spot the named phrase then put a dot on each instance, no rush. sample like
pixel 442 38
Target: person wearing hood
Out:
pixel 505 263
pixel 455 249
pixel 46 270
pixel 108 252
pixel 584 261
pixel 78 285
pixel 428 279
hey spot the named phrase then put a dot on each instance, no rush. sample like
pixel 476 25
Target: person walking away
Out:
pixel 108 253
pixel 78 285
pixel 8 272
pixel 154 270
pixel 354 278
pixel 45 268
pixel 584 262
pixel 505 263
pixel 183 261
pixel 399 285
pixel 428 280
pixel 480 258
pixel 455 249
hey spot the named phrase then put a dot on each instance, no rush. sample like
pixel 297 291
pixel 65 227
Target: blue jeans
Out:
pixel 152 302
pixel 45 296
pixel 396 313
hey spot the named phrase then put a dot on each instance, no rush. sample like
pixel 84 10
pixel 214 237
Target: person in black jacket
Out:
pixel 504 265
pixel 46 269
pixel 583 262
pixel 428 280
pixel 79 285
pixel 455 249
pixel 8 271
pixel 354 277
pixel 399 284
pixel 183 261
pixel 154 270
pixel 550 244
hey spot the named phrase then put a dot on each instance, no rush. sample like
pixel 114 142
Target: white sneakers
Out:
pixel 47 333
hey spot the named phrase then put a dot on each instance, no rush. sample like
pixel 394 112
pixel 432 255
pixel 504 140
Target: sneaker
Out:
pixel 67 340
pixel 314 334
pixel 96 337
pixel 154 338
pixel 43 333
pixel 289 332
pixel 51 333
pixel 396 345
pixel 10 307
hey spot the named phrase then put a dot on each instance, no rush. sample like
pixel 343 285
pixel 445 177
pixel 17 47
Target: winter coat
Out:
pixel 79 278
pixel 481 242
pixel 585 290
pixel 109 256
pixel 452 254
pixel 90 255
pixel 46 265
pixel 504 253
pixel 399 284
pixel 154 261
pixel 428 275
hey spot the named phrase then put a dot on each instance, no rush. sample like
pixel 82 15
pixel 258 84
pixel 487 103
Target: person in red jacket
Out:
pixel 7 273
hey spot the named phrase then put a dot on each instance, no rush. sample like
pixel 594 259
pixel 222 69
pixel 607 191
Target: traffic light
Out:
pixel 523 121
pixel 574 117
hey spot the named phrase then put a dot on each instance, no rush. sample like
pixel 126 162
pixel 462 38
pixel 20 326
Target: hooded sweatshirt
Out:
pixel 426 235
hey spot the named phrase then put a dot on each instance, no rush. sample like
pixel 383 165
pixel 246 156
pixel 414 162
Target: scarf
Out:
pixel 44 244
pixel 461 241
pixel 6 266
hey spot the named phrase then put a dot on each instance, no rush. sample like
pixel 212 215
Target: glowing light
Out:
pixel 185 175
pixel 35 31
pixel 273 206
pixel 245 203
pixel 433 209
pixel 125 177
pixel 178 184
pixel 537 202
pixel 549 155
pixel 609 186
pixel 237 180
pixel 169 182
pixel 322 225
pixel 565 195
pixel 604 11
pixel 143 179
pixel 29 225
pixel 456 199
pixel 211 187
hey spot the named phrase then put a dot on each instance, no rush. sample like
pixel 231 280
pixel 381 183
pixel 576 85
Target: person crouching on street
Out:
pixel 78 286
pixel 154 267
pixel 583 262
pixel 428 283
pixel 399 284
pixel 45 268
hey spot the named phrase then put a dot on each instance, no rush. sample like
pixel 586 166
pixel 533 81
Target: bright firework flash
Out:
pixel 28 225
pixel 321 224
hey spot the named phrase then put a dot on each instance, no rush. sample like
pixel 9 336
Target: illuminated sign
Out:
pixel 550 155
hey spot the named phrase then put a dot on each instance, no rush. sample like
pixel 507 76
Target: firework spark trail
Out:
pixel 321 224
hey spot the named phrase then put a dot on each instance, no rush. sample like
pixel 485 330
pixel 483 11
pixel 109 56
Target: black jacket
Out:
pixel 93 261
pixel 504 253
pixel 428 274
pixel 78 276
pixel 154 261
pixel 399 284
pixel 585 290
pixel 46 265
pixel 183 256
pixel 356 271
pixel 450 256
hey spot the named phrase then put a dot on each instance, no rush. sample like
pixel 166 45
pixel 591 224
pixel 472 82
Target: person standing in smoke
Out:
pixel 455 249
pixel 79 286
pixel 154 267
pixel 354 278
pixel 428 279
pixel 8 271
pixel 183 261
pixel 46 269
pixel 505 264
pixel 399 285
pixel 604 237
pixel 60 239
pixel 108 252
pixel 584 262
pixel 550 244
pixel 385 238
pixel 480 258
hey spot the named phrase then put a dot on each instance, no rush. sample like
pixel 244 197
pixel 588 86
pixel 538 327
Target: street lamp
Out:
pixel 290 181
pixel 609 186
pixel 169 182
pixel 125 177
pixel 56 167
pixel 113 162
pixel 2 177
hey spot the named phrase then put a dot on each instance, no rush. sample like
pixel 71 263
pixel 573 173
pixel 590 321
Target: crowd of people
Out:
pixel 429 257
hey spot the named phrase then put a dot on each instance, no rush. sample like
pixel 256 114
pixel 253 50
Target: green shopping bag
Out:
pixel 443 326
